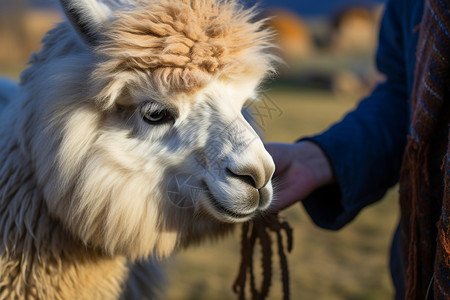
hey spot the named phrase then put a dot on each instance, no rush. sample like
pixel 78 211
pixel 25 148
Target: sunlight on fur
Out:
pixel 126 142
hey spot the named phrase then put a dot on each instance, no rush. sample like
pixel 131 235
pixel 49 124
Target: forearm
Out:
pixel 365 151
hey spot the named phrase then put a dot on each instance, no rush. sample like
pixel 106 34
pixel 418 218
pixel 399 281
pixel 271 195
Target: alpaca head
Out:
pixel 151 149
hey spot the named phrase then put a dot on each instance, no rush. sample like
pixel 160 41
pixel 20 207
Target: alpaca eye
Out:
pixel 155 114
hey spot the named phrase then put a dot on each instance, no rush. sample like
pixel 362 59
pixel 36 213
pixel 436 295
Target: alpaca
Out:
pixel 125 142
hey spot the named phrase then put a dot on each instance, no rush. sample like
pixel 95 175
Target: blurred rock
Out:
pixel 355 29
pixel 293 36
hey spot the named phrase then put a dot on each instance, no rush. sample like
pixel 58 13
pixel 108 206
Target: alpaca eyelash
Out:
pixel 155 114
pixel 150 106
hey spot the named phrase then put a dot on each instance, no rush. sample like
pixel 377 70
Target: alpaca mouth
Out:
pixel 221 212
pixel 235 215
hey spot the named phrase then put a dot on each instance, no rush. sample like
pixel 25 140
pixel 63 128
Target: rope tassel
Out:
pixel 260 229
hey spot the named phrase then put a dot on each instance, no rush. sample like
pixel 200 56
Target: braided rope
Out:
pixel 260 229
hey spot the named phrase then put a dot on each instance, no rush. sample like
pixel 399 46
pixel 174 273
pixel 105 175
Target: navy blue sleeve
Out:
pixel 365 149
pixel 8 89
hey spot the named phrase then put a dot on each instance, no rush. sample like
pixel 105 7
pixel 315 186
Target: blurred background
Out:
pixel 328 47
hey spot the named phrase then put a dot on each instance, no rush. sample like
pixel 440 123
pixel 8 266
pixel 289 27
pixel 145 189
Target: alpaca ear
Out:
pixel 88 17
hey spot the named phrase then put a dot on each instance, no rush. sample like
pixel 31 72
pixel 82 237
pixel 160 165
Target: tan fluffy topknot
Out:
pixel 181 45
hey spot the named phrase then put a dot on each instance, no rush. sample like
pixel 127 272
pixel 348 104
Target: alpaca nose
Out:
pixel 256 175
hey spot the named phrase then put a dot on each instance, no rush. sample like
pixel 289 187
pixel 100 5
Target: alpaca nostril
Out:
pixel 248 178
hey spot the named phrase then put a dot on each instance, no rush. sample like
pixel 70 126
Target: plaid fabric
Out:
pixel 425 175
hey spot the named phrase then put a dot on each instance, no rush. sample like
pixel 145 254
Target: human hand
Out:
pixel 300 168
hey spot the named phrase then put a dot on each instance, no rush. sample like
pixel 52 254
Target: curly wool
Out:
pixel 183 45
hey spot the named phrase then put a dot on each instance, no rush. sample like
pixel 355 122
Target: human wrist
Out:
pixel 313 157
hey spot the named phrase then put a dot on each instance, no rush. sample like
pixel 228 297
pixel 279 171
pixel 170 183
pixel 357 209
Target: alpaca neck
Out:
pixel 39 259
